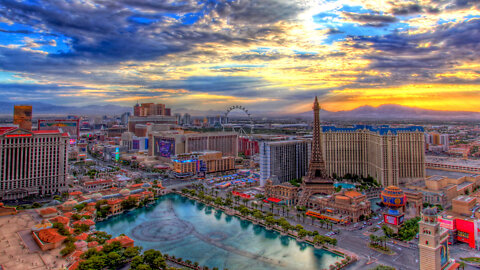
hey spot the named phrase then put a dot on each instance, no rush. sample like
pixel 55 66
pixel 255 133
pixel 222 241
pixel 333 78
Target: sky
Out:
pixel 266 55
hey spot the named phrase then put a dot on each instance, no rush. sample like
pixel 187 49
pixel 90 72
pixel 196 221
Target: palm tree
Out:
pixel 322 222
pixel 216 193
pixel 271 207
pixel 288 210
pixel 298 216
pixel 283 210
pixel 372 239
pixel 261 206
pixel 313 219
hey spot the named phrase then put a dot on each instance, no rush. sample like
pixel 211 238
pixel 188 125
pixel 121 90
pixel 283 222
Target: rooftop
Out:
pixel 463 198
pixel 436 178
pixel 449 174
pixel 50 235
pixel 4 130
pixel 382 130
pixel 453 161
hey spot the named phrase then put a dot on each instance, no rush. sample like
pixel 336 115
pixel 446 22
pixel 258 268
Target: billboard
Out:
pixel 444 256
pixel 393 220
pixel 67 125
pixel 446 223
pixel 164 147
pixel 136 144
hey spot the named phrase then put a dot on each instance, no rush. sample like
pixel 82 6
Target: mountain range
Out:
pixel 387 111
pixel 394 112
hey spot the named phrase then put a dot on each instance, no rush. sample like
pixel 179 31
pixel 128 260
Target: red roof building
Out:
pixel 60 219
pixel 124 240
pixel 48 212
pixel 48 238
pixel 88 222
pixel 82 236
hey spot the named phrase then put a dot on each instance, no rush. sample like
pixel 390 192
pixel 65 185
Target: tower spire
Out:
pixel 316 180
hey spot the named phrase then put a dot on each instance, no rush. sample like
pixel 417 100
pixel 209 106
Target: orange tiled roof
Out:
pixel 101 181
pixel 48 211
pixel 82 236
pixel 75 265
pixel 92 244
pixel 88 222
pixel 124 240
pixel 87 213
pixel 74 193
pixel 352 194
pixel 76 255
pixel 68 214
pixel 92 204
pixel 60 219
pixel 110 202
pixel 136 185
pixel 50 236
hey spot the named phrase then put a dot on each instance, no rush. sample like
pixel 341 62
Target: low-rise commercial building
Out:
pixel 440 190
pixel 201 163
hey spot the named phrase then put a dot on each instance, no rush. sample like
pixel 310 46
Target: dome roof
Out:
pixel 70 203
pixel 96 196
pixel 432 211
pixel 393 196
pixel 125 191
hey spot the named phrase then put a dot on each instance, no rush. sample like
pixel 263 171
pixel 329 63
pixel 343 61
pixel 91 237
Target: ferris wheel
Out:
pixel 241 130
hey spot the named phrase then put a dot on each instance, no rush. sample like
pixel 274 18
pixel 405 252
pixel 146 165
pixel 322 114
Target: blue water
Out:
pixel 345 185
pixel 188 229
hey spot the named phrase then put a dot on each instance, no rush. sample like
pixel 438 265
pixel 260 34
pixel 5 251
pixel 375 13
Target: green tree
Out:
pixel 114 259
pixel 143 267
pixel 154 258
pixel 131 252
pixel 136 261
pixel 129 203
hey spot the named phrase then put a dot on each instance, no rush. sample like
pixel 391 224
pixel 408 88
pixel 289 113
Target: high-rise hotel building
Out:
pixel 390 155
pixel 32 163
pixel 284 160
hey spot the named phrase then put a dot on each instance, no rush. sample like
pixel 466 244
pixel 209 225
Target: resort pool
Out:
pixel 185 228
pixel 344 185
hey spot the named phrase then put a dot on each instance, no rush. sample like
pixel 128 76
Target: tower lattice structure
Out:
pixel 316 181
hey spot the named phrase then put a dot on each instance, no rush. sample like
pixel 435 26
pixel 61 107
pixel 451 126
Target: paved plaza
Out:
pixel 17 254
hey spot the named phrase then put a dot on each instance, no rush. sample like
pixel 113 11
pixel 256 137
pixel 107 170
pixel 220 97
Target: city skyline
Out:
pixel 269 55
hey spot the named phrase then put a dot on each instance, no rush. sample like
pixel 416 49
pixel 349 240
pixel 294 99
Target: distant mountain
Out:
pixel 39 108
pixel 395 112
pixel 383 112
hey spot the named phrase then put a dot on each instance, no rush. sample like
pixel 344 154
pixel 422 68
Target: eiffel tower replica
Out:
pixel 316 181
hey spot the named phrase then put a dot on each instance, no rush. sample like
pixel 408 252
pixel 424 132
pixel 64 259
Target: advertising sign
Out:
pixel 390 219
pixel 70 126
pixel 446 223
pixel 164 147
pixel 444 254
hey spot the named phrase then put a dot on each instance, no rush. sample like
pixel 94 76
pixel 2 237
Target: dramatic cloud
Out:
pixel 264 54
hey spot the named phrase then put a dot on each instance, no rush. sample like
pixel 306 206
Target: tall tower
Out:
pixel 432 243
pixel 316 181
pixel 316 168
pixel 22 116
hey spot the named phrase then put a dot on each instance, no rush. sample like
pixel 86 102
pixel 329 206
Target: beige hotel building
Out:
pixel 32 163
pixel 392 156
